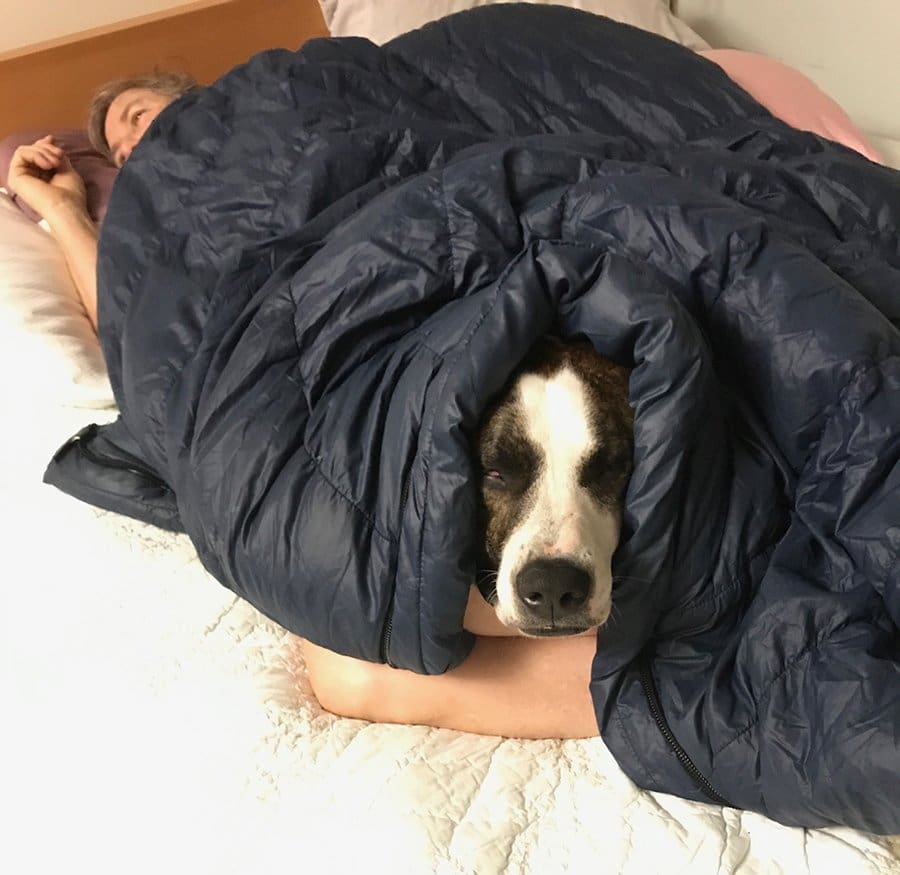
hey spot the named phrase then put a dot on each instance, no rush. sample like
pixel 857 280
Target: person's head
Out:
pixel 121 111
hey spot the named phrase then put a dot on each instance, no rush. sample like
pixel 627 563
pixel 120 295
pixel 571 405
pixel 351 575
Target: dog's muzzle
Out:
pixel 553 595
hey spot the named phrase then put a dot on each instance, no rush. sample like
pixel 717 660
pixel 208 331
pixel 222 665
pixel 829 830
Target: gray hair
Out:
pixel 167 83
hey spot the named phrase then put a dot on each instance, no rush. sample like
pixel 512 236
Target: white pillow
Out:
pixel 48 350
pixel 382 20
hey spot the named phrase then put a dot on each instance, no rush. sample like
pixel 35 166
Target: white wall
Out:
pixel 849 48
pixel 24 22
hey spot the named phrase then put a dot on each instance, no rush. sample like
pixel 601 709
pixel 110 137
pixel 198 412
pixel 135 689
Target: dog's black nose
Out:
pixel 552 589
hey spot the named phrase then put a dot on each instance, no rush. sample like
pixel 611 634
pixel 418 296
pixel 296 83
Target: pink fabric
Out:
pixel 792 97
pixel 96 171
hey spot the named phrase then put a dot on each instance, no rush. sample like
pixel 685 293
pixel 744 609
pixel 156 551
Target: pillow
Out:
pixel 791 96
pixel 382 20
pixel 97 172
pixel 48 349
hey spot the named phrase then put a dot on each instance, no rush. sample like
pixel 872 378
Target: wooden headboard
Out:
pixel 50 85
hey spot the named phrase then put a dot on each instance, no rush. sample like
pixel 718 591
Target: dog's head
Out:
pixel 555 453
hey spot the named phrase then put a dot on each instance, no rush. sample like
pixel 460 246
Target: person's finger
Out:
pixel 47 149
pixel 49 153
pixel 46 140
pixel 25 154
pixel 39 146
pixel 33 160
pixel 45 161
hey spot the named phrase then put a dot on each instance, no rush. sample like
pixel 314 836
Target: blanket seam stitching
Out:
pixel 317 461
pixel 737 577
pixel 640 761
pixel 806 651
pixel 425 456
pixel 450 231
pixel 429 437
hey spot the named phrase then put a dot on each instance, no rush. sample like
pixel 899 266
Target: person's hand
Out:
pixel 43 176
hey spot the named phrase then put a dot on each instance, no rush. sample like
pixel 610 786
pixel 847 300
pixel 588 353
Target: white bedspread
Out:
pixel 152 722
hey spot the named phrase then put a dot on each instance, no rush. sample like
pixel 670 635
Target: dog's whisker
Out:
pixel 484 577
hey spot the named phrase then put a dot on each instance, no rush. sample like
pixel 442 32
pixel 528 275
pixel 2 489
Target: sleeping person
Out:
pixel 42 175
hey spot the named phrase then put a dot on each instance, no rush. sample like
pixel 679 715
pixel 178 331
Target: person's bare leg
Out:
pixel 515 687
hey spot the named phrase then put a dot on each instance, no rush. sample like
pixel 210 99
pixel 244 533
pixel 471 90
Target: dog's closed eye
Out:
pixel 508 477
pixel 605 473
pixel 595 467
pixel 508 463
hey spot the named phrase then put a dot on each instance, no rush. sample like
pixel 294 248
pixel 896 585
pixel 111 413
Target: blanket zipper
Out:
pixel 134 467
pixel 656 712
pixel 386 635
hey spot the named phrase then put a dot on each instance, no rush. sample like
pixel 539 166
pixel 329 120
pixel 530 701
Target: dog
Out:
pixel 555 451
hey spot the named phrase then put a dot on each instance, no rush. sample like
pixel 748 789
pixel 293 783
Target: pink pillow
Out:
pixel 792 97
pixel 96 171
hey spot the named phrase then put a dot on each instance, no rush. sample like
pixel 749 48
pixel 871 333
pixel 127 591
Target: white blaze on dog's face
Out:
pixel 556 454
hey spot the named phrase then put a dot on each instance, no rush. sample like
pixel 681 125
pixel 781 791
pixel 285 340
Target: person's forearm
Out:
pixel 77 235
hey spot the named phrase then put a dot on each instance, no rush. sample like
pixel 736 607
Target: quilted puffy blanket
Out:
pixel 316 273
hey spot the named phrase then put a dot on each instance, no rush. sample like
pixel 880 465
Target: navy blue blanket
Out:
pixel 316 273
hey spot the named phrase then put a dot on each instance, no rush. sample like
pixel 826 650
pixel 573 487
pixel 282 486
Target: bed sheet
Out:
pixel 155 722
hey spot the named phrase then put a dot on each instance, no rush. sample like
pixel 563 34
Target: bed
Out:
pixel 155 720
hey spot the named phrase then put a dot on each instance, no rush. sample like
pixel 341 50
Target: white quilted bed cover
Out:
pixel 152 722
